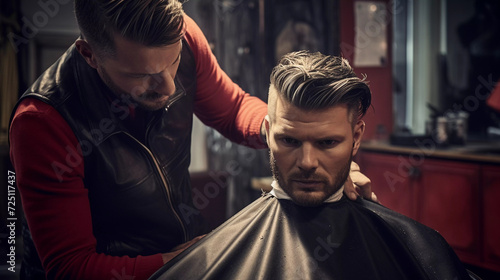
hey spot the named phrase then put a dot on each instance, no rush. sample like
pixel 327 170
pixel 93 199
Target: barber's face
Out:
pixel 146 74
pixel 311 151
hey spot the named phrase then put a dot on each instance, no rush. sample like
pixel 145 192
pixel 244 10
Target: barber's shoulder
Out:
pixel 33 106
pixel 195 38
pixel 192 31
pixel 32 110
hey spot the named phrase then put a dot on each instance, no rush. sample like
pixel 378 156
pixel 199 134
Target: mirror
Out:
pixel 445 59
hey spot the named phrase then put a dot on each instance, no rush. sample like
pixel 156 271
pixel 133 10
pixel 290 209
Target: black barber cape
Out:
pixel 277 239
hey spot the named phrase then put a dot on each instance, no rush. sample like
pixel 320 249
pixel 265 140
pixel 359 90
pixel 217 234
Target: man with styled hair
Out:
pixel 101 141
pixel 306 228
pixel 304 89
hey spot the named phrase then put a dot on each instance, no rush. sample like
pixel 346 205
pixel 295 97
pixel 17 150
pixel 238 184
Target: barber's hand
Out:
pixel 179 248
pixel 358 184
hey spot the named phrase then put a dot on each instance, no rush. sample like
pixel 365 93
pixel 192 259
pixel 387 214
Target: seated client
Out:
pixel 305 228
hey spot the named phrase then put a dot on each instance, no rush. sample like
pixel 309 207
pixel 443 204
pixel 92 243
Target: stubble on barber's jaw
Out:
pixel 140 97
pixel 309 200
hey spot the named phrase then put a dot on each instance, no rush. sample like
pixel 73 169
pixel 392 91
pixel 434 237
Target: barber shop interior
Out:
pixel 211 139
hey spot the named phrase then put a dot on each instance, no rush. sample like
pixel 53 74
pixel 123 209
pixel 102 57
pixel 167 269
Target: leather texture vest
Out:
pixel 139 191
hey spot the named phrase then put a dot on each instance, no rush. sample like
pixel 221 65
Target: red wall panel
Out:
pixel 380 78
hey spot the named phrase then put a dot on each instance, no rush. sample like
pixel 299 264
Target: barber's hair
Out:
pixel 311 81
pixel 153 23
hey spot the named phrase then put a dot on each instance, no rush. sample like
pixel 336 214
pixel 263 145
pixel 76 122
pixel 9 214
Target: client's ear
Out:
pixel 359 130
pixel 267 124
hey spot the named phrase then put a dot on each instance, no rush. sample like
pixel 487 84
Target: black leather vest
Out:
pixel 139 193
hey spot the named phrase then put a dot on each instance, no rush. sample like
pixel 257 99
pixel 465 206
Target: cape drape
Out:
pixel 277 239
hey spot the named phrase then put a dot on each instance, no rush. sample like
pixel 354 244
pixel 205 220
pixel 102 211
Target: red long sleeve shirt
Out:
pixel 58 212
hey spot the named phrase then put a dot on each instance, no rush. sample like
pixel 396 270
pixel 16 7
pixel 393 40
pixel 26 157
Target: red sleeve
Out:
pixel 220 103
pixel 50 175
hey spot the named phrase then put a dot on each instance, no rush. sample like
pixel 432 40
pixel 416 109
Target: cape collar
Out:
pixel 279 193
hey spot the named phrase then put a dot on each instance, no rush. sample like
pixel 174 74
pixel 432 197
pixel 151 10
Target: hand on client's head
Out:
pixel 358 184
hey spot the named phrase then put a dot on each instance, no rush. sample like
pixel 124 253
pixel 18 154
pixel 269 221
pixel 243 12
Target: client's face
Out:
pixel 311 151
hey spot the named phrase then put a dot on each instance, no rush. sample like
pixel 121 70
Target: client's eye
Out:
pixel 328 143
pixel 290 141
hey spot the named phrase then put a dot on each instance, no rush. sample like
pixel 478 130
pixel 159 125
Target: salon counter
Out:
pixel 480 152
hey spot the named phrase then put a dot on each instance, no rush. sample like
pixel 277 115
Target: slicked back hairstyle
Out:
pixel 314 81
pixel 153 23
